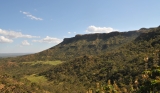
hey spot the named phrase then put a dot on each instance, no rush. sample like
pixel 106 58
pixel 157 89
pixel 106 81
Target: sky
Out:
pixel 30 26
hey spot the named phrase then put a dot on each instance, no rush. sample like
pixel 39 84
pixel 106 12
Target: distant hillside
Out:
pixel 88 44
pixel 5 55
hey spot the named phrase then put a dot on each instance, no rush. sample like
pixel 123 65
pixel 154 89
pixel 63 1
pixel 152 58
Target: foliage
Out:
pixel 36 79
pixel 98 63
pixel 43 62
pixel 89 44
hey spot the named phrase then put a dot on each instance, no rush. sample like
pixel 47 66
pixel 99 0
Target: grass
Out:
pixel 39 79
pixel 52 62
pixel 36 79
pixel 44 62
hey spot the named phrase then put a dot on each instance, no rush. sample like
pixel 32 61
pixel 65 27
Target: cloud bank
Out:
pixel 8 36
pixel 31 16
pixel 13 34
pixel 94 29
pixel 5 40
pixel 49 40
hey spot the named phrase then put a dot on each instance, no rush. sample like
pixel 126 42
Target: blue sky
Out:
pixel 29 26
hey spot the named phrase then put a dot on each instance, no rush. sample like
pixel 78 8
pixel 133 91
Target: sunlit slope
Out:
pixel 89 44
pixel 123 66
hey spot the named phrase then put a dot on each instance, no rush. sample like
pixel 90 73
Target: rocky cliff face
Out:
pixel 150 33
pixel 102 36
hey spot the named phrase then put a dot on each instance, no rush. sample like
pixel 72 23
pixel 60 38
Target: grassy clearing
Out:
pixel 44 62
pixel 52 62
pixel 36 79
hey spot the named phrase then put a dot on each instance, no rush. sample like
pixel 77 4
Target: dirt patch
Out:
pixel 2 86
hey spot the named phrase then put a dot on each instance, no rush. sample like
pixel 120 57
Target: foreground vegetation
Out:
pixel 119 63
pixel 22 77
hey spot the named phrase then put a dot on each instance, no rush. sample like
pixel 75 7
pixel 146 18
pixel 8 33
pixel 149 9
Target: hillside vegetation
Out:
pixel 117 62
pixel 80 45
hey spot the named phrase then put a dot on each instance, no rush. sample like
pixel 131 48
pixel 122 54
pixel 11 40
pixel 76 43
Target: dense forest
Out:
pixel 116 62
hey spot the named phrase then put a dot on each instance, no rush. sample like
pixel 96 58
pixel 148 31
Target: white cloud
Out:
pixel 69 32
pixel 25 43
pixel 49 40
pixel 5 40
pixel 13 34
pixel 94 29
pixel 31 16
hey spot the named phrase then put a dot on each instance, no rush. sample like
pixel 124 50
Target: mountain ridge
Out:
pixel 122 66
pixel 88 44
pixel 92 37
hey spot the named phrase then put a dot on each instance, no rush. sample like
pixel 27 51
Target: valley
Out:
pixel 5 55
pixel 116 62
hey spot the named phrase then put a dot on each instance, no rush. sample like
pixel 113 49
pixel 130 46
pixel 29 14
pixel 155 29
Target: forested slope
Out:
pixel 123 66
pixel 89 44
pixel 117 62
